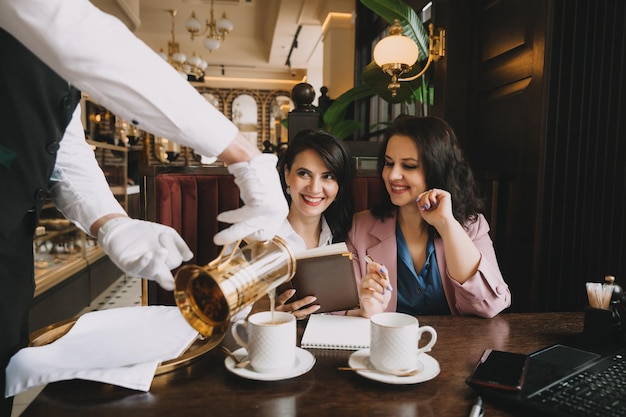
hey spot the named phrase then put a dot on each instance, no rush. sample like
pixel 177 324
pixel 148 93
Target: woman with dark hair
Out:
pixel 427 231
pixel 316 172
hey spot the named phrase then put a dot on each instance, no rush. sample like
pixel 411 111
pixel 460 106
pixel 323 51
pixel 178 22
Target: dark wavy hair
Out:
pixel 444 165
pixel 339 162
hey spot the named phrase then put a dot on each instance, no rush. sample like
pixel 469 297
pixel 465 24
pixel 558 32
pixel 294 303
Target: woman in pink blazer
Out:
pixel 430 244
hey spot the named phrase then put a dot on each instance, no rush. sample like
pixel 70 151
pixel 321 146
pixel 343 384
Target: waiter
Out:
pixel 51 49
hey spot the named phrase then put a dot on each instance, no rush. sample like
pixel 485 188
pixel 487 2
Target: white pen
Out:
pixel 477 408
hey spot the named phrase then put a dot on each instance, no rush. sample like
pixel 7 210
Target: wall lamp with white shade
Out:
pixel 396 54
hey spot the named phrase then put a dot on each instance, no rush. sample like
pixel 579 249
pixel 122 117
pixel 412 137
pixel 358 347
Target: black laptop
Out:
pixel 565 381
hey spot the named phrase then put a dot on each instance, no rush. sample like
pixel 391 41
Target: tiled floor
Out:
pixel 124 292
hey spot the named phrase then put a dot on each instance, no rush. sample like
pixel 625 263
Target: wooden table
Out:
pixel 206 388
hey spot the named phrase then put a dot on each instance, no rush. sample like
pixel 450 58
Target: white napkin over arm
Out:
pixel 120 346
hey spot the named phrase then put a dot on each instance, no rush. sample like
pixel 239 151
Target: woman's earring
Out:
pixel 288 190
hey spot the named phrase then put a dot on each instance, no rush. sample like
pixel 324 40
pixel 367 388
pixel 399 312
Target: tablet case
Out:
pixel 330 278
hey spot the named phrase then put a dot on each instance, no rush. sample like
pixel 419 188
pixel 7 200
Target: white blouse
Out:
pixel 295 241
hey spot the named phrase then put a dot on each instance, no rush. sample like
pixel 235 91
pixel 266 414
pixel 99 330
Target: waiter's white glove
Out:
pixel 265 207
pixel 144 249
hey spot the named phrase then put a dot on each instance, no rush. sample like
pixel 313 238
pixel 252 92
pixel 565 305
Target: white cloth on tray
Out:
pixel 120 346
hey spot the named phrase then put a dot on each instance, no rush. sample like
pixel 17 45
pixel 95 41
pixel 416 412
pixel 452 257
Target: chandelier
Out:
pixel 216 30
pixel 191 68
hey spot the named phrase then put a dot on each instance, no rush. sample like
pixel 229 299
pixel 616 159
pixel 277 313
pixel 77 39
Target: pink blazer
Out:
pixel 485 294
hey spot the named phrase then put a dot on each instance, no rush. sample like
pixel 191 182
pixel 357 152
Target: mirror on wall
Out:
pixel 245 117
pixel 281 106
pixel 260 115
pixel 217 102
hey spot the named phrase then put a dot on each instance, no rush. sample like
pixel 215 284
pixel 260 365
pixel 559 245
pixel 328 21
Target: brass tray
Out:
pixel 195 350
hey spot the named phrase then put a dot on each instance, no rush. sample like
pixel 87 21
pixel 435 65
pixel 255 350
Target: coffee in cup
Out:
pixel 270 339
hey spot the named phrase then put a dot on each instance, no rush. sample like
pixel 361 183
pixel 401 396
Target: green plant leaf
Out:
pixel 411 24
pixel 337 111
pixel 345 128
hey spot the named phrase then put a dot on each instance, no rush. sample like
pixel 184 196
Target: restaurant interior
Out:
pixel 535 90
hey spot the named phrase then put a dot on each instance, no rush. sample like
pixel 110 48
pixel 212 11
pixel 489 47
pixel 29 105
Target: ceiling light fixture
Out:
pixel 217 30
pixel 191 69
pixel 294 45
pixel 396 54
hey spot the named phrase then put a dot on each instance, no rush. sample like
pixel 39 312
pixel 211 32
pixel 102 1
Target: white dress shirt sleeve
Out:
pixel 78 186
pixel 96 53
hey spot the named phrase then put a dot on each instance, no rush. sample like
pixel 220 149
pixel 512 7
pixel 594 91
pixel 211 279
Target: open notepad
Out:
pixel 327 331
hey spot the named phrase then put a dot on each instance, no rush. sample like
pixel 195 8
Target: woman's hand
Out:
pixel 435 207
pixel 295 307
pixel 462 255
pixel 374 291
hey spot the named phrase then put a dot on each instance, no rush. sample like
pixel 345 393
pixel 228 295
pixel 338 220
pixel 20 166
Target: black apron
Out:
pixel 36 106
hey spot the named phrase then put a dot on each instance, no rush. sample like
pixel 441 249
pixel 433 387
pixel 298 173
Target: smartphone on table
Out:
pixel 500 370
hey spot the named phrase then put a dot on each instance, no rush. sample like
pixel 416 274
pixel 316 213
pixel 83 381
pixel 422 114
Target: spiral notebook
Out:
pixel 328 331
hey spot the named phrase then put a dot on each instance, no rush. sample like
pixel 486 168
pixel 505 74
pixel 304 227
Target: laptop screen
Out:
pixel 552 364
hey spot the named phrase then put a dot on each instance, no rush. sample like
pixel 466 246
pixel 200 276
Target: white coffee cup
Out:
pixel 394 342
pixel 270 339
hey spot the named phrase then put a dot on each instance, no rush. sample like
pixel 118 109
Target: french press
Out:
pixel 209 295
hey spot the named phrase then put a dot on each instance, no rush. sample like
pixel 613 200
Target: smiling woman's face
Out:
pixel 403 173
pixel 312 186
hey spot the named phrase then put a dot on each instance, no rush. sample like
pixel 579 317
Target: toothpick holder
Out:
pixel 601 327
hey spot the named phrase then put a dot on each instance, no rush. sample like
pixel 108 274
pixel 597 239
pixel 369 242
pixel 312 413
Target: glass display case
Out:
pixel 113 161
pixel 71 269
pixel 59 249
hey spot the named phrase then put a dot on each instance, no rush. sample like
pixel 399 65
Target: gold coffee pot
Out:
pixel 209 295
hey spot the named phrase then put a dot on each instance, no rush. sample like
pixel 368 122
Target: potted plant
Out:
pixel 375 81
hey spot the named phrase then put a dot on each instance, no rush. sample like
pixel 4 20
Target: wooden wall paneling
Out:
pixel 506 144
pixel 512 162
pixel 452 74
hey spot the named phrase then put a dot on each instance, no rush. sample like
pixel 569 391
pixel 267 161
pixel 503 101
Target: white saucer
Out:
pixel 304 362
pixel 361 359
